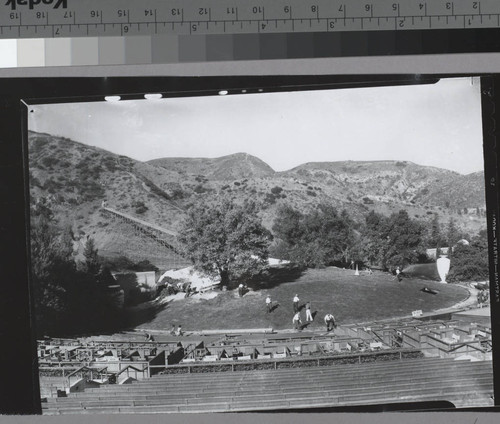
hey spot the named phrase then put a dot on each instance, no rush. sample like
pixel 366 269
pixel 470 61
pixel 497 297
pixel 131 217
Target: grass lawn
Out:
pixel 352 299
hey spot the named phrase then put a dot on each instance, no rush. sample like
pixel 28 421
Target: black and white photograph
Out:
pixel 261 251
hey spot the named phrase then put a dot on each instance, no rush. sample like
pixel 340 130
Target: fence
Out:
pixel 294 362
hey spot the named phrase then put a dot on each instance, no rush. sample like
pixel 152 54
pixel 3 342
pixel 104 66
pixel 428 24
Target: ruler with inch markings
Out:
pixel 115 32
pixel 84 18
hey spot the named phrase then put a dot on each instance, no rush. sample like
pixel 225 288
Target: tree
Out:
pixel 435 237
pixel 393 241
pixel 315 239
pixel 452 234
pixel 50 293
pixel 470 262
pixel 405 240
pixel 91 264
pixel 62 293
pixel 374 243
pixel 225 239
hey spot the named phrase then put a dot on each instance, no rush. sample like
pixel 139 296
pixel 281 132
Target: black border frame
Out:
pixel 19 391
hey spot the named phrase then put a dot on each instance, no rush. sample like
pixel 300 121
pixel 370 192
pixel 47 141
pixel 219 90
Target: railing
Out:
pixel 88 371
pixel 141 222
pixel 187 352
pixel 469 346
pixel 295 361
pixel 131 369
pixel 56 371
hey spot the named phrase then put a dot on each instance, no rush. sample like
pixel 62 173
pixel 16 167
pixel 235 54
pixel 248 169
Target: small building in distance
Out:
pixel 431 253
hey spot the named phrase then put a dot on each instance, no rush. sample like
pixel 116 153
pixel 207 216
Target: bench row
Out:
pixel 452 394
pixel 266 385
pixel 176 381
pixel 478 383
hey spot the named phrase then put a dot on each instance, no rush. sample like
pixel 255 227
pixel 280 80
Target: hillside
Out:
pixel 232 167
pixel 400 181
pixel 76 179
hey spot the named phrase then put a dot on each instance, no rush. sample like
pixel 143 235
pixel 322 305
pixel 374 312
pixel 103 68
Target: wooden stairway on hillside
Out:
pixel 462 383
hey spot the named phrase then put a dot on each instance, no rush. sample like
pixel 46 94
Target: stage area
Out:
pixel 351 298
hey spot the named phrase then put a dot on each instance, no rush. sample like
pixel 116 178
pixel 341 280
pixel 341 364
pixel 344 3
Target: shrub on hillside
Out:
pixel 52 186
pixel 109 163
pixel 270 199
pixel 177 193
pixel 49 161
pixel 34 181
pixel 36 145
pixel 367 201
pixel 276 190
pixel 199 189
pixel 140 207
pixel 91 190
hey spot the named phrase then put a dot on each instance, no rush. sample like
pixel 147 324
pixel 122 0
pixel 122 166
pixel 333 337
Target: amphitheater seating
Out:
pixel 463 383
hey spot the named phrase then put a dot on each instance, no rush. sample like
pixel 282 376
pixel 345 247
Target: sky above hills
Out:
pixel 434 125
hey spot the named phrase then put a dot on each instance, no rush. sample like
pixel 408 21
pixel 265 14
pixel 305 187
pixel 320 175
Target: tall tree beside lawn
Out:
pixel 453 234
pixel 91 264
pixel 436 238
pixel 405 239
pixel 68 300
pixel 470 262
pixel 225 239
pixel 50 293
pixel 397 240
pixel 374 239
pixel 315 239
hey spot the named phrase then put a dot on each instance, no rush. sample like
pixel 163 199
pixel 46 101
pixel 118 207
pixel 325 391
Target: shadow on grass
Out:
pixel 141 314
pixel 275 306
pixel 305 325
pixel 121 320
pixel 275 276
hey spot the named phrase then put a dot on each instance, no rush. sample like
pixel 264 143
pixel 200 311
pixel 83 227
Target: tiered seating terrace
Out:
pixel 123 369
pixel 463 383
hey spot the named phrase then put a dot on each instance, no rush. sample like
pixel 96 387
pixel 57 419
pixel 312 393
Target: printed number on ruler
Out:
pixel 83 18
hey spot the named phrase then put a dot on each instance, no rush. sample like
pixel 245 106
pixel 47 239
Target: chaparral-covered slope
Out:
pixel 76 178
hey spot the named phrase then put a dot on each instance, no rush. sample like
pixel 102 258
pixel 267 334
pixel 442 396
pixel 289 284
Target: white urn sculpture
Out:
pixel 443 266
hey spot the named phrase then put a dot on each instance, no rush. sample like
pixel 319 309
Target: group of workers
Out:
pixel 297 320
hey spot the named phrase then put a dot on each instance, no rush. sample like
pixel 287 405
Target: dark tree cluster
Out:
pixel 396 240
pixel 319 238
pixel 70 297
pixel 444 236
pixel 326 237
pixel 470 262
